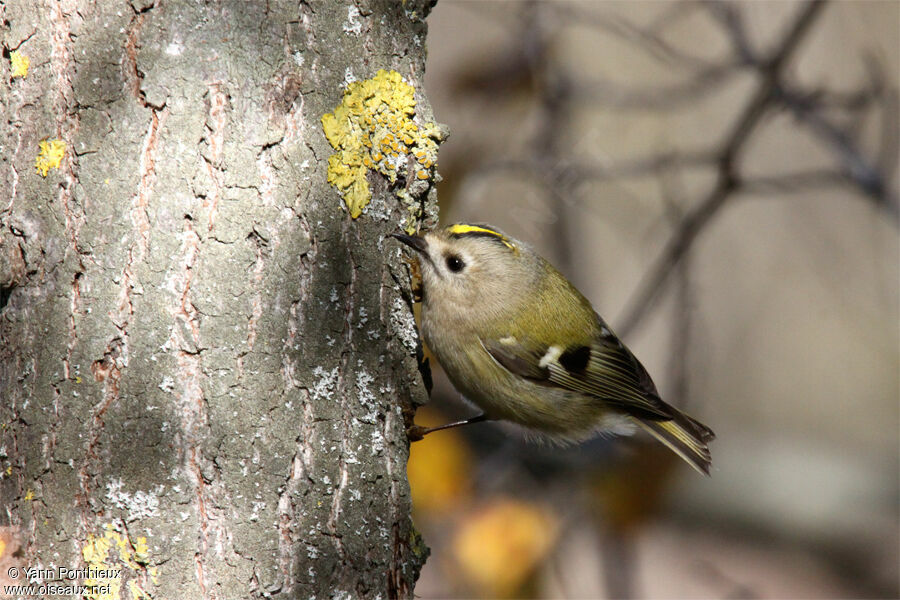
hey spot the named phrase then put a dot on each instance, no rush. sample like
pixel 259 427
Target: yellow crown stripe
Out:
pixel 464 228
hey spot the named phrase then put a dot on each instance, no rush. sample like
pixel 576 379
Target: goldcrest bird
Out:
pixel 518 340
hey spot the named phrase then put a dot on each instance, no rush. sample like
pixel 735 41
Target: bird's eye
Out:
pixel 455 263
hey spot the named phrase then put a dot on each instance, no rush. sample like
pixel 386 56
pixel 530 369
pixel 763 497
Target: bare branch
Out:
pixel 866 175
pixel 796 182
pixel 675 196
pixel 696 220
pixel 666 97
pixel 625 169
pixel 890 140
pixel 727 14
pixel 644 166
pixel 648 40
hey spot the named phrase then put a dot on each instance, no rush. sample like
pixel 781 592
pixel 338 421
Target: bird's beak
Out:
pixel 415 242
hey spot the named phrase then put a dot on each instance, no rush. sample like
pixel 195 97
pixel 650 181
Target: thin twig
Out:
pixel 867 176
pixel 645 166
pixel 644 39
pixel 614 95
pixel 726 13
pixel 801 181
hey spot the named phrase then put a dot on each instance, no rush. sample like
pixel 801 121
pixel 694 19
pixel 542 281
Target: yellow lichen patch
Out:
pixel 95 553
pixel 141 551
pixel 136 592
pixel 19 63
pixel 29 495
pixel 51 154
pixel 112 569
pixel 373 128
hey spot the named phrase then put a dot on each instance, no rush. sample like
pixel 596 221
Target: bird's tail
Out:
pixel 685 436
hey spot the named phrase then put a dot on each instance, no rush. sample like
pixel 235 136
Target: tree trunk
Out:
pixel 205 361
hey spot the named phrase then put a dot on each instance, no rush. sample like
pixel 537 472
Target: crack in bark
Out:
pixel 215 138
pixel 12 517
pixel 190 397
pixel 256 302
pixel 118 347
pixel 108 371
pixel 301 464
pixel 73 330
pixel 132 75
pixel 140 220
pixel 336 503
pixel 203 535
pixel 396 582
pixel 140 216
pixel 62 66
pixel 50 439
pixel 186 312
pixel 61 60
pixel 15 173
pixel 266 174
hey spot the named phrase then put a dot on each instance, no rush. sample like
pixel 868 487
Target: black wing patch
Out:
pixel 575 360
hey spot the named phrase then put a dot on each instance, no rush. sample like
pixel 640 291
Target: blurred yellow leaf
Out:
pixel 438 468
pixel 500 544
pixel 631 491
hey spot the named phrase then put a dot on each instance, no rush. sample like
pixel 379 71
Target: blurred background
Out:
pixel 721 181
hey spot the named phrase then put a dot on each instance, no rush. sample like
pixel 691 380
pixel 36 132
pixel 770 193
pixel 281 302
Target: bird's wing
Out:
pixel 603 368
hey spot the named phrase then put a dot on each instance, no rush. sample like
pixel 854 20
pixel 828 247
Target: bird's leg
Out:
pixel 417 432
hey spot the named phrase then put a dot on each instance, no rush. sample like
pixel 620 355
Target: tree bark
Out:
pixel 205 364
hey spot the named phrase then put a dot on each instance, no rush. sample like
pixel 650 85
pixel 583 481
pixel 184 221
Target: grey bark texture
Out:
pixel 199 346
